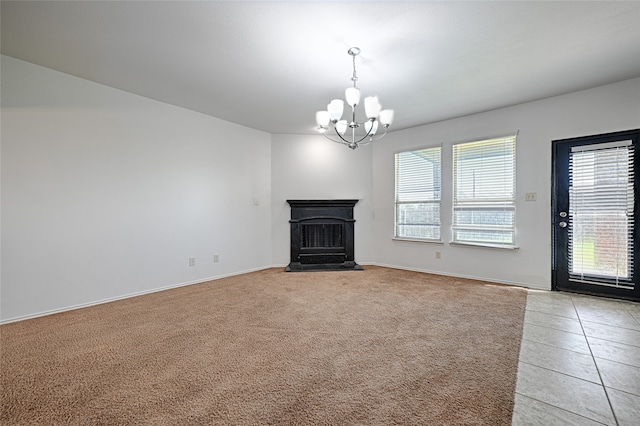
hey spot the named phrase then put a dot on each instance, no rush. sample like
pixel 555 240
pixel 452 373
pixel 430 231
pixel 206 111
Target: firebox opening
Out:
pixel 322 235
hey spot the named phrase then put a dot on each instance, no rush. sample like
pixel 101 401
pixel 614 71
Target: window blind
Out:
pixel 484 192
pixel 417 194
pixel 601 212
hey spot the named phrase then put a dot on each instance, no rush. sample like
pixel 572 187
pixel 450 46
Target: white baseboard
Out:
pixel 470 277
pixel 126 296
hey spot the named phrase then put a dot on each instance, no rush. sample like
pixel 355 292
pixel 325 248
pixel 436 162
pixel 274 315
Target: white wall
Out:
pixel 106 194
pixel 601 110
pixel 313 168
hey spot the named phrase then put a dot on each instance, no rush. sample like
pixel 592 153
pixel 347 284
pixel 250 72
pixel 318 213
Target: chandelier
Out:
pixel 357 133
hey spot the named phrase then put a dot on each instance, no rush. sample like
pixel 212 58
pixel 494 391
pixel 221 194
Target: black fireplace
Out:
pixel 322 235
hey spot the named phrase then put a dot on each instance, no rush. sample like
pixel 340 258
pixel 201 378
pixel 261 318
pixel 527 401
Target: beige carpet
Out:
pixel 377 347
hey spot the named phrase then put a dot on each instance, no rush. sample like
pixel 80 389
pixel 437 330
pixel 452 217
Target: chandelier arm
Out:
pixel 368 134
pixel 379 136
pixel 374 138
pixel 342 141
pixel 353 141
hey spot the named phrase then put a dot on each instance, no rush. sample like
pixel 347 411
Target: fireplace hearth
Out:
pixel 322 235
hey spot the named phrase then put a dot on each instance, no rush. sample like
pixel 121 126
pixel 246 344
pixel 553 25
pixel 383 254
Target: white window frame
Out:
pixel 484 192
pixel 421 187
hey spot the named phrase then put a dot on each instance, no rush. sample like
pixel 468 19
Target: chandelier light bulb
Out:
pixel 322 118
pixel 372 106
pixel 341 126
pixel 335 108
pixel 386 117
pixel 371 127
pixel 352 95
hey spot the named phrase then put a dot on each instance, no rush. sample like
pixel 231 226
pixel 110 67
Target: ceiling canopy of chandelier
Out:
pixel 357 134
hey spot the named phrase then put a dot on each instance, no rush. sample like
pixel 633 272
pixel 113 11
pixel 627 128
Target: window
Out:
pixel 601 212
pixel 417 204
pixel 484 205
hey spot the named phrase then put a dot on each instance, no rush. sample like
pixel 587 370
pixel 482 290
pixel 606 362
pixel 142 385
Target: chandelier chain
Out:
pixel 355 77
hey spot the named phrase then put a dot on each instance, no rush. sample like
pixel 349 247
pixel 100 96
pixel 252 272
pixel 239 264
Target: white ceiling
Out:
pixel 271 65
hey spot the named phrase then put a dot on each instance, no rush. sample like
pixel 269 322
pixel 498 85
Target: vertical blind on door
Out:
pixel 418 190
pixel 601 213
pixel 484 206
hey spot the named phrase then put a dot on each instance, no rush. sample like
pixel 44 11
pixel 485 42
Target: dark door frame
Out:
pixel 560 173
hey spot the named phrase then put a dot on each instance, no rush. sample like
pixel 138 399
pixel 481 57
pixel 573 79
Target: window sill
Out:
pixel 490 246
pixel 417 240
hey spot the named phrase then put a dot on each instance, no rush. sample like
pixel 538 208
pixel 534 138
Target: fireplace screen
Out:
pixel 322 235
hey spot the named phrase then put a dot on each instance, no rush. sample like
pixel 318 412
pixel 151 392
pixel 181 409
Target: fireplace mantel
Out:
pixel 322 235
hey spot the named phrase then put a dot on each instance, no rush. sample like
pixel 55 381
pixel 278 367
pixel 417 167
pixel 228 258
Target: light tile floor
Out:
pixel 579 361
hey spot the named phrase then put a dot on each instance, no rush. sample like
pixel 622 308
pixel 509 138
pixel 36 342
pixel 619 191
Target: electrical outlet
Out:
pixel 216 258
pixel 530 196
pixel 192 261
pixel 438 255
